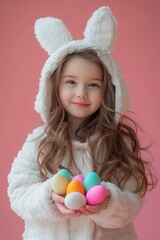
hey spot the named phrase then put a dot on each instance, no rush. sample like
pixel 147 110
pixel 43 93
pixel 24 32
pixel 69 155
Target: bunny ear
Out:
pixel 51 33
pixel 101 29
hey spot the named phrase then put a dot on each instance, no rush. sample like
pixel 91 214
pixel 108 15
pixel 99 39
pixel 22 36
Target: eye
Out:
pixel 70 82
pixel 94 85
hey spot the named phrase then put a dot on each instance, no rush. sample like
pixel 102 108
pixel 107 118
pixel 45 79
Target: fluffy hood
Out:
pixel 99 34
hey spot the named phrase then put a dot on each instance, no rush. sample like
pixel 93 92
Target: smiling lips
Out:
pixel 80 104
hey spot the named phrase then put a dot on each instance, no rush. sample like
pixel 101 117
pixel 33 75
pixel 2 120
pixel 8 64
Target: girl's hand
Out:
pixel 59 202
pixel 87 210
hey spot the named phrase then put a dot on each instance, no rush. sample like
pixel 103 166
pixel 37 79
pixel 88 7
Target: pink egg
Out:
pixel 79 178
pixel 96 195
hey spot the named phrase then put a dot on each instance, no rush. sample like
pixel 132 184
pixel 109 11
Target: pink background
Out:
pixel 137 52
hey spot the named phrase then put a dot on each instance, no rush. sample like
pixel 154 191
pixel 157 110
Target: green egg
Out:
pixel 92 179
pixel 65 173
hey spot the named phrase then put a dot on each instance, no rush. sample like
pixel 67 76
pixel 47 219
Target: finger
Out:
pixel 64 210
pixel 86 211
pixel 93 209
pixel 99 207
pixel 57 198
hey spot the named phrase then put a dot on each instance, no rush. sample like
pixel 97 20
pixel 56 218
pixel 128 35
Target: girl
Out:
pixel 82 99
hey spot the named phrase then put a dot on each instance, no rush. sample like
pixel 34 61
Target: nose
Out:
pixel 81 92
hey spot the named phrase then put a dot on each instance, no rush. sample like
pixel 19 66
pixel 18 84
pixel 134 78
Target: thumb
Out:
pixel 57 198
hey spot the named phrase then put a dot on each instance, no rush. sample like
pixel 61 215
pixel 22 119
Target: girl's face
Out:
pixel 80 88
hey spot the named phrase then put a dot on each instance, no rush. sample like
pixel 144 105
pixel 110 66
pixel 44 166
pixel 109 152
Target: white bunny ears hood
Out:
pixel 99 34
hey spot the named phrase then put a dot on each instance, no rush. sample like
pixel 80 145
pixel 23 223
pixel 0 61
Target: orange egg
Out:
pixel 75 186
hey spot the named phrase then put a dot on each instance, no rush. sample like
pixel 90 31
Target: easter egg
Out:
pixel 75 186
pixel 75 200
pixel 79 178
pixel 59 184
pixel 92 179
pixel 96 195
pixel 65 173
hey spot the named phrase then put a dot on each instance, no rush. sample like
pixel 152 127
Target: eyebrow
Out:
pixel 72 76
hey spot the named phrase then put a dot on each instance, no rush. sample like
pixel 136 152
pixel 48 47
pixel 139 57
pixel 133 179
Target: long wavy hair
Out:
pixel 114 148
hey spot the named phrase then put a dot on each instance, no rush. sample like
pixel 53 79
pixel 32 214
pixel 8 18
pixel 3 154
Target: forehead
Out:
pixel 79 65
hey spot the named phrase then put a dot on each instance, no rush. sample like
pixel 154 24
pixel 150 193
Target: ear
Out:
pixel 51 33
pixel 101 29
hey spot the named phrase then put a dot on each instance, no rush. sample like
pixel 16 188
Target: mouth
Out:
pixel 80 104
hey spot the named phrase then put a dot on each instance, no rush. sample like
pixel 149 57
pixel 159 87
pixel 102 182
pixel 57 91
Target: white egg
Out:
pixel 75 200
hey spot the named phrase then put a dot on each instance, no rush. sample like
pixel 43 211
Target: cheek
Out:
pixel 64 95
pixel 97 100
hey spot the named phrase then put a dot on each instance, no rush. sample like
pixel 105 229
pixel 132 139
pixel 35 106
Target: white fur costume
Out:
pixel 30 197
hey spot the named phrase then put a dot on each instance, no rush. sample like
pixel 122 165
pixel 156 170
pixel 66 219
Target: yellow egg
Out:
pixel 75 186
pixel 59 184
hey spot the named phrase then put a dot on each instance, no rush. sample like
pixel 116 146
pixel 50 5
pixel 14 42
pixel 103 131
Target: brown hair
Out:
pixel 115 149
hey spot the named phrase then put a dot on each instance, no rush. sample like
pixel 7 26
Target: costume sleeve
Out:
pixel 30 197
pixel 122 208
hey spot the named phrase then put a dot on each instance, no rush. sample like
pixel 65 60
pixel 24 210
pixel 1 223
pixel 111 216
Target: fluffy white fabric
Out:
pixel 101 29
pixel 51 33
